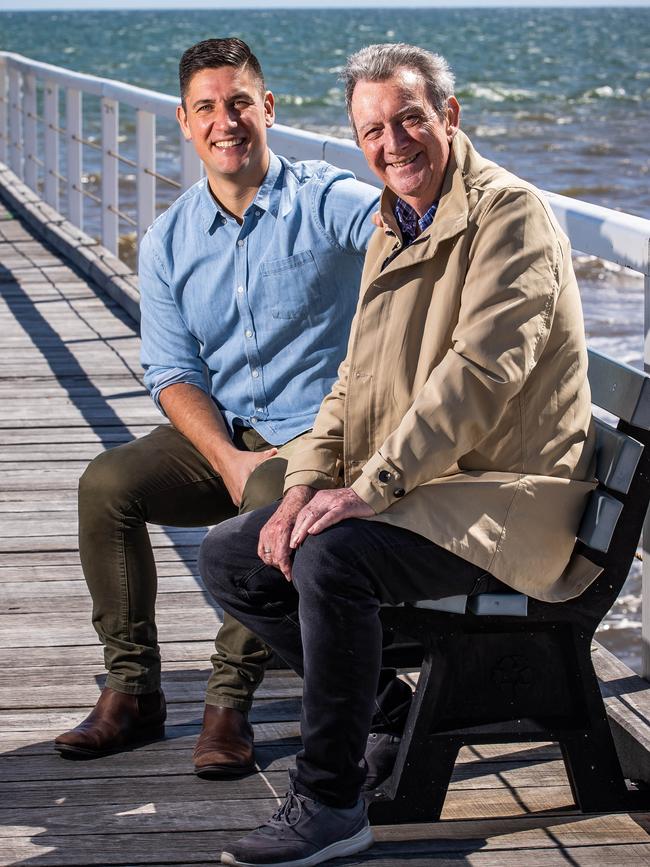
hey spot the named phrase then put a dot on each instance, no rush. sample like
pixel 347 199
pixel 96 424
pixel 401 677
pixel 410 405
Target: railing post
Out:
pixel 110 175
pixel 4 114
pixel 74 151
pixel 645 546
pixel 15 122
pixel 191 165
pixel 146 182
pixel 51 113
pixel 30 137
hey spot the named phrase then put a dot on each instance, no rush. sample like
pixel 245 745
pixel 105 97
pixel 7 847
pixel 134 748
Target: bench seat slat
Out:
pixel 504 604
pixel 450 604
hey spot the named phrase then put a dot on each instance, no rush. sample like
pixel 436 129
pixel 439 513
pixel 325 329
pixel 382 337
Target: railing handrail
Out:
pixel 137 97
pixel 593 229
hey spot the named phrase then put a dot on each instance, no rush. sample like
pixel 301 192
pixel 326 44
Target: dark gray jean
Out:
pixel 326 624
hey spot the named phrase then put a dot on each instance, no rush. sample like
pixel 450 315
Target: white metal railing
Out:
pixel 31 142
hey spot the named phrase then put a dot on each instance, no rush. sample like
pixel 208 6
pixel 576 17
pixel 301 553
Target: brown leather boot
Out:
pixel 117 721
pixel 225 745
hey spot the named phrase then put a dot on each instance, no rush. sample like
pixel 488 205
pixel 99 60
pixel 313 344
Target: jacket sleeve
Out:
pixel 169 352
pixel 507 305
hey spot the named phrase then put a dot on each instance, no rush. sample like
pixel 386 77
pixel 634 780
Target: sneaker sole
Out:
pixel 362 840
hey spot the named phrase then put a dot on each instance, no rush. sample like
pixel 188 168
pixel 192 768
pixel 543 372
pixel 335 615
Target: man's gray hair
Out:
pixel 381 62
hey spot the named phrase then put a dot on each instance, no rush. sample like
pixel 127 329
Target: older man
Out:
pixel 453 452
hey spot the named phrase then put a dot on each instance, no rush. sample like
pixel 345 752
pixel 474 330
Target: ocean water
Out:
pixel 559 96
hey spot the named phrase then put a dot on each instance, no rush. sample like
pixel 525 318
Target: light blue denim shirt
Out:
pixel 258 314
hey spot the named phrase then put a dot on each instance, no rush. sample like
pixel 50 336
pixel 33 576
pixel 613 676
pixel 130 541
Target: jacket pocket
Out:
pixel 292 284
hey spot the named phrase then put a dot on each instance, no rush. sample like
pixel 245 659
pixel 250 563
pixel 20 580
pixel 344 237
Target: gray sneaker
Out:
pixel 301 833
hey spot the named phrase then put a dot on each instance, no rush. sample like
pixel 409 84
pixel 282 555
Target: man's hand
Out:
pixel 273 547
pixel 325 509
pixel 195 415
pixel 236 467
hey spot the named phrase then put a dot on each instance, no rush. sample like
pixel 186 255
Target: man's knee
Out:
pixel 105 480
pixel 264 485
pixel 114 481
pixel 324 563
pixel 211 559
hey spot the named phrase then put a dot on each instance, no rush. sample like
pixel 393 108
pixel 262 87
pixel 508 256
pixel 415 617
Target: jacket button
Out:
pixel 399 492
pixel 384 476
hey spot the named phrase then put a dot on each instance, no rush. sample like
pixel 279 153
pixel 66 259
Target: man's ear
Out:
pixel 269 109
pixel 181 117
pixel 452 120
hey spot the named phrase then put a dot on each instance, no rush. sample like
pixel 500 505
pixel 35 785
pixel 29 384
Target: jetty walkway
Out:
pixel 70 387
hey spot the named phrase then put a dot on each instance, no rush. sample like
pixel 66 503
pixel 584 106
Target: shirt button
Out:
pixel 248 332
pixel 254 419
pixel 255 373
pixel 240 290
pixel 384 476
pixel 259 409
pixel 399 492
pixel 258 213
pixel 240 243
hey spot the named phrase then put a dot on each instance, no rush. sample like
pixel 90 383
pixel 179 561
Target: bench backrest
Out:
pixel 613 519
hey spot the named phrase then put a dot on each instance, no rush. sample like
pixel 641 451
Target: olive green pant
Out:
pixel 162 479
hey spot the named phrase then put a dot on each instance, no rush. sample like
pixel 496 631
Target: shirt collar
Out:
pixel 408 221
pixel 267 198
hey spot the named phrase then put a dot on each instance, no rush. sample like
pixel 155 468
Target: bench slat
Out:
pixel 620 389
pixel 617 457
pixel 451 604
pixel 504 604
pixel 599 520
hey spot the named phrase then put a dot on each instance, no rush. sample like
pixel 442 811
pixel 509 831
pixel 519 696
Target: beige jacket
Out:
pixel 462 410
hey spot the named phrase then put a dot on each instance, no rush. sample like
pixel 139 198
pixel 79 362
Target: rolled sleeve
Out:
pixel 169 352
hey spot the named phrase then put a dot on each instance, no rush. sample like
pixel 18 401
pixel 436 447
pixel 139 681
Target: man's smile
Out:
pixel 228 143
pixel 398 164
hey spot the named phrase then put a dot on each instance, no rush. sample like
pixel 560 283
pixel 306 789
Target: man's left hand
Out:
pixel 325 509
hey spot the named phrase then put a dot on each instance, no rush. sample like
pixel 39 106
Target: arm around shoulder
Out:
pixel 345 211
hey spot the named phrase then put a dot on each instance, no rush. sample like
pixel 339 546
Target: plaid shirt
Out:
pixel 410 224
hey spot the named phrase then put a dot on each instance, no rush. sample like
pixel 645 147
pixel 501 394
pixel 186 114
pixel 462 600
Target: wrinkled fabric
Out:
pixel 462 410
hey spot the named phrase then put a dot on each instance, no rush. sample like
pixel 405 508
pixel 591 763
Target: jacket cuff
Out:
pixel 312 478
pixel 380 484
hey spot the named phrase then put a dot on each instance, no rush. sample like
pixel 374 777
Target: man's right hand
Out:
pixel 195 415
pixel 236 466
pixel 274 548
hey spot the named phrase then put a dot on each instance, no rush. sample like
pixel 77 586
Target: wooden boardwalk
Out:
pixel 70 386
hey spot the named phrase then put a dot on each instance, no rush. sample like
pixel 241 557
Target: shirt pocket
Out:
pixel 292 284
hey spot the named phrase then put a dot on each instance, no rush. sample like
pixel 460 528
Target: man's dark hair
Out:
pixel 213 53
